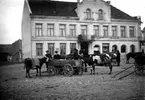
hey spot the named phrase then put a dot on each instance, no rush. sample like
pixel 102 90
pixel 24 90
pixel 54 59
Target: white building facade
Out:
pixel 57 26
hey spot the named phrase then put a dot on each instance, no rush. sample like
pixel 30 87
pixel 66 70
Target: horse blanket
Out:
pixel 35 62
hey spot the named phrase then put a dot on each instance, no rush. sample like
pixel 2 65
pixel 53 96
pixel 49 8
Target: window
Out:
pixel 114 31
pixel 100 14
pixel 39 49
pixel 132 31
pixel 51 48
pixel 62 29
pixel 72 46
pixel 50 29
pixel 123 31
pixel 88 14
pixel 96 30
pixel 84 30
pixel 114 48
pixel 73 30
pixel 105 31
pixel 123 48
pixel 38 29
pixel 132 48
pixel 62 48
pixel 105 47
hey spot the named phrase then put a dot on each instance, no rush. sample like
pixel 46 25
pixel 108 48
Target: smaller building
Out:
pixel 17 51
pixel 142 40
pixel 5 52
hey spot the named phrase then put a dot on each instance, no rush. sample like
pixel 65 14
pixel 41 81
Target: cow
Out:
pixel 34 63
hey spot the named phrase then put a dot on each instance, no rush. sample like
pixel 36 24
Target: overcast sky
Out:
pixel 11 16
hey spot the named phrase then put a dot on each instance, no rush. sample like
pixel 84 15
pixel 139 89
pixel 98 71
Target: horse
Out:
pixel 132 55
pixel 101 59
pixel 34 63
pixel 113 57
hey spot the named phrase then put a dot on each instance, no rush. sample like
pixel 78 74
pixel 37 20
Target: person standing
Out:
pixel 49 57
pixel 118 58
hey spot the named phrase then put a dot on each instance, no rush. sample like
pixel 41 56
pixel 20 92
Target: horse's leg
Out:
pixel 28 70
pixel 93 66
pixel 85 67
pixel 36 71
pixel 40 71
pixel 110 67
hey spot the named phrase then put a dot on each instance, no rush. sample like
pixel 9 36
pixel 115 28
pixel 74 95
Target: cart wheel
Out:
pixel 51 70
pixel 68 70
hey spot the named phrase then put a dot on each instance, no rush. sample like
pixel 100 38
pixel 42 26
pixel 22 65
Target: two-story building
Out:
pixel 89 24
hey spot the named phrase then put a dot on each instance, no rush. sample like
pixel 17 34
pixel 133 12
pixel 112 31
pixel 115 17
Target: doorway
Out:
pixel 84 45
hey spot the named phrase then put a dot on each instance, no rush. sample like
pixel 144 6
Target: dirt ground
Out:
pixel 101 86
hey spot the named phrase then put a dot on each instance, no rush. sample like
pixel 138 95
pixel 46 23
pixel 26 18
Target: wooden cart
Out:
pixel 65 67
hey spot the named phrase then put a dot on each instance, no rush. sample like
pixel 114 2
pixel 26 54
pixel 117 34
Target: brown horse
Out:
pixel 29 64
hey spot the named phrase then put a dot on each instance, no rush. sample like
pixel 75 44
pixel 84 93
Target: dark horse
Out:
pixel 29 64
pixel 132 55
pixel 101 59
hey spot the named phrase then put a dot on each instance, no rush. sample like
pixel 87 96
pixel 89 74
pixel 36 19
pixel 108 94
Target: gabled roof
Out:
pixel 53 8
pixel 57 8
pixel 118 14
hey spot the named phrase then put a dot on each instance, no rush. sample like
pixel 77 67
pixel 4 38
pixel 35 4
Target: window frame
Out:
pixel 39 50
pixel 62 30
pixel 50 29
pixel 38 29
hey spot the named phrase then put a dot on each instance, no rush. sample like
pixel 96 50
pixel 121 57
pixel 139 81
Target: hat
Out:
pixel 47 51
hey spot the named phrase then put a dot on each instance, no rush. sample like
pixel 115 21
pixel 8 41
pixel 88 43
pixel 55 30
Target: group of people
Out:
pixel 76 55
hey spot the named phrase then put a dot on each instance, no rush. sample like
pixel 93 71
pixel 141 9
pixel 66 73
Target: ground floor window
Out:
pixel 51 48
pixel 72 46
pixel 62 48
pixel 39 49
pixel 105 47
pixel 132 48
pixel 114 48
pixel 123 48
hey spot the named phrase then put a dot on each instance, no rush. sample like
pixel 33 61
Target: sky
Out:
pixel 11 16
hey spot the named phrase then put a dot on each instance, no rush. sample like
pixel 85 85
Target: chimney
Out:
pixel 109 2
pixel 78 1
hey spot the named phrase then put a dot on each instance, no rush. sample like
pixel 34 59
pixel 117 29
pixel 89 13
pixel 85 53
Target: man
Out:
pixel 118 58
pixel 56 56
pixel 49 57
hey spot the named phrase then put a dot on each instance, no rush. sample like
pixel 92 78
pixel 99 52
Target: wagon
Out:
pixel 139 64
pixel 65 67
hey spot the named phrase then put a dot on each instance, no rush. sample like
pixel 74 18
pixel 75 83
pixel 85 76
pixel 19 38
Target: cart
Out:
pixel 65 67
pixel 139 67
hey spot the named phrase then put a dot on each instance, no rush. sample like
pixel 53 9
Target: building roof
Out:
pixel 57 8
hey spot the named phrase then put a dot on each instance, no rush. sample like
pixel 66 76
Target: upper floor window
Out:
pixel 72 30
pixel 114 31
pixel 105 31
pixel 84 29
pixel 50 29
pixel 39 49
pixel 96 30
pixel 100 14
pixel 62 29
pixel 88 14
pixel 123 31
pixel 132 31
pixel 38 29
